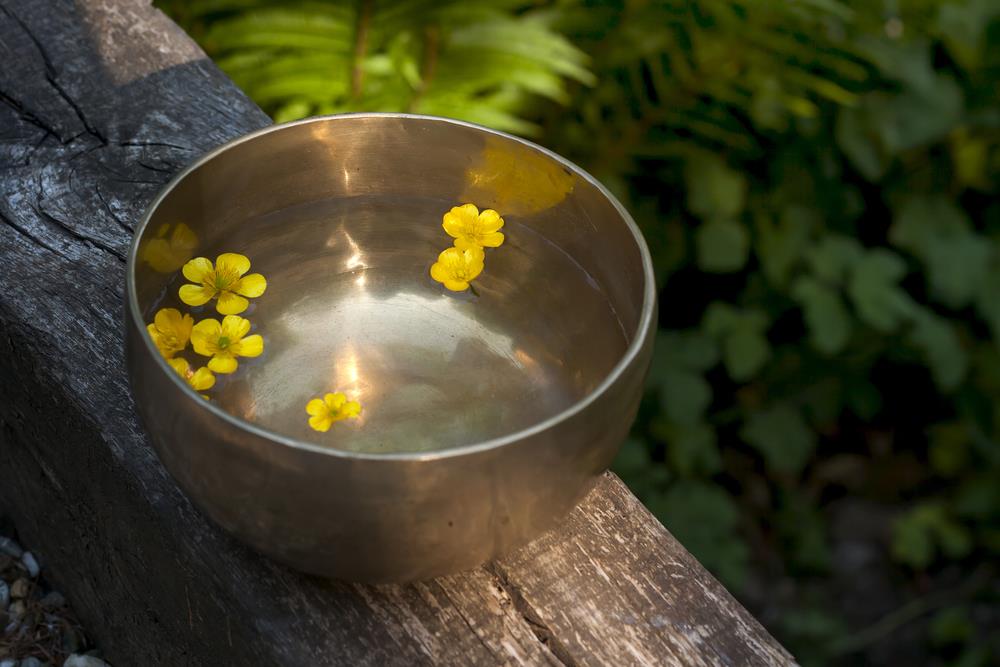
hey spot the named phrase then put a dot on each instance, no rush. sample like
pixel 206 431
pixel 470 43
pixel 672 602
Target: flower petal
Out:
pixel 231 304
pixel 351 409
pixel 438 273
pixel 490 221
pixel 456 285
pixel 197 268
pixel 320 423
pixel 251 346
pixel 493 240
pixel 223 363
pixel 334 401
pixel 252 285
pixel 205 335
pixel 195 295
pixel 234 261
pixel 235 327
pixel 202 379
pixel 180 366
pixel 316 407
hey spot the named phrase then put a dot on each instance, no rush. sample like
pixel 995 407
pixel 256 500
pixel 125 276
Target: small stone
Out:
pixel 10 547
pixel 30 662
pixel 4 594
pixel 53 600
pixel 31 563
pixel 16 609
pixel 8 663
pixel 79 660
pixel 20 588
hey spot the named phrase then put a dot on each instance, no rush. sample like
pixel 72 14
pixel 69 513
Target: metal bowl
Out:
pixel 485 417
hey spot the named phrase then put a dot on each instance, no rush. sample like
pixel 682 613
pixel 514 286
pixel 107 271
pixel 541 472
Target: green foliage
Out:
pixel 479 60
pixel 817 181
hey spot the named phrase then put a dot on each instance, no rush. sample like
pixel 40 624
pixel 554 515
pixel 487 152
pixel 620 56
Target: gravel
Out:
pixel 37 627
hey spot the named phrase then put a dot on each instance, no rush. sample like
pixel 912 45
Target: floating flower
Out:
pixel 170 248
pixel 225 280
pixel 456 267
pixel 329 409
pixel 170 331
pixel 199 380
pixel 473 229
pixel 224 342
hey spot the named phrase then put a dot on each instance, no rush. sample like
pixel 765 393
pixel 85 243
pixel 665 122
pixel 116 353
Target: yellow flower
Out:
pixel 199 380
pixel 455 267
pixel 225 280
pixel 329 409
pixel 169 250
pixel 473 229
pixel 170 331
pixel 224 342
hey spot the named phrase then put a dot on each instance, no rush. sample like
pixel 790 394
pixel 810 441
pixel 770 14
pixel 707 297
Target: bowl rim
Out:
pixel 643 330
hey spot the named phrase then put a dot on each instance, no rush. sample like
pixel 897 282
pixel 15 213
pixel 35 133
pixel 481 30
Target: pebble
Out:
pixel 4 594
pixel 16 609
pixel 20 588
pixel 31 563
pixel 11 548
pixel 8 663
pixel 30 662
pixel 80 660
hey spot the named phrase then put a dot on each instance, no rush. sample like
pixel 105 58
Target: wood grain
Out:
pixel 101 101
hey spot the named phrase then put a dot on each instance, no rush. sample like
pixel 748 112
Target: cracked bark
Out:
pixel 129 100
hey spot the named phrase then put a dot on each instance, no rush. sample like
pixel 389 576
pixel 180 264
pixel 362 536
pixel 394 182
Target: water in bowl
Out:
pixel 350 307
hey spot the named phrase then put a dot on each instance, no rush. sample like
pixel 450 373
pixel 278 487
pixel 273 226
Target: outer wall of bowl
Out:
pixel 380 519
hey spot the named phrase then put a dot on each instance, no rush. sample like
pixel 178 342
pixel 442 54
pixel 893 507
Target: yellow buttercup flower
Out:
pixel 455 267
pixel 170 248
pixel 225 342
pixel 473 229
pixel 323 412
pixel 170 331
pixel 199 380
pixel 225 280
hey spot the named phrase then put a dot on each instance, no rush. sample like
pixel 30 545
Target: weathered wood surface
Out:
pixel 100 102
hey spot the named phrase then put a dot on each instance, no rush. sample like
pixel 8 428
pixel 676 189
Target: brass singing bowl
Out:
pixel 485 416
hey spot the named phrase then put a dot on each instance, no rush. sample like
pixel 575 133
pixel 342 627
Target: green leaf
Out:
pixel 744 352
pixel 704 519
pixel 874 290
pixel 745 349
pixel 691 448
pixel 936 339
pixel 780 247
pixel 912 542
pixel 714 190
pixel 833 257
pixel 923 531
pixel 685 350
pixel 782 437
pixel 722 245
pixel 825 314
pixel 937 232
pixel 949 450
pixel 859 141
pixel 951 626
pixel 684 396
pixel 988 301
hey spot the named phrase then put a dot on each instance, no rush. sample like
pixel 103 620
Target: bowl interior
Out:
pixel 343 218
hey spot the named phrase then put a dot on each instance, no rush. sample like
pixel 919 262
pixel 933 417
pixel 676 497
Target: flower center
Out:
pixel 223 342
pixel 221 279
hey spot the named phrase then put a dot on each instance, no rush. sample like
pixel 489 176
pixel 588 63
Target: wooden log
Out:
pixel 101 101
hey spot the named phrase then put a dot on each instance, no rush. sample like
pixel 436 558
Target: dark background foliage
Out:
pixel 818 182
